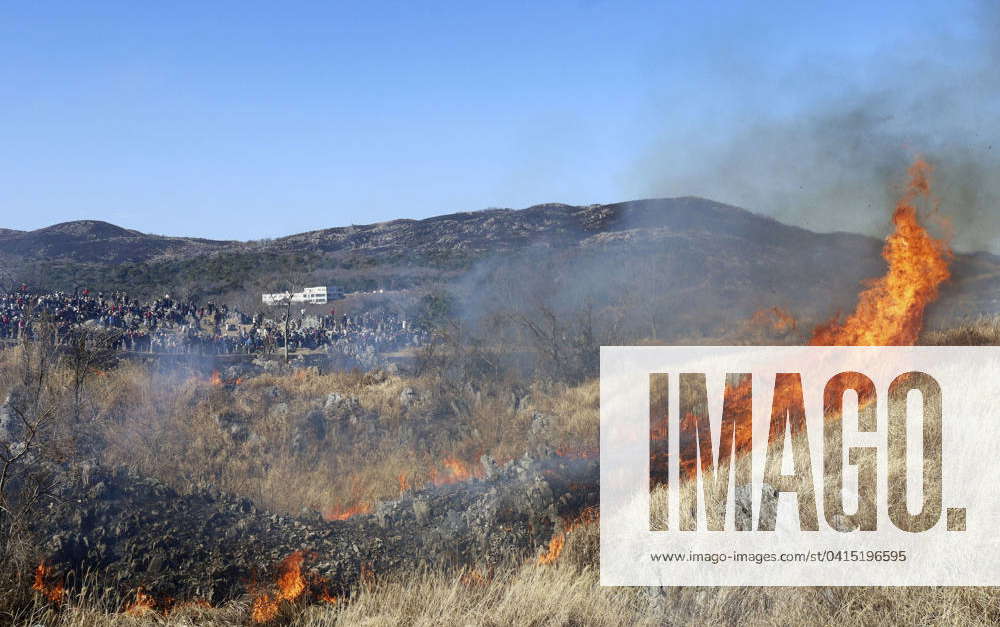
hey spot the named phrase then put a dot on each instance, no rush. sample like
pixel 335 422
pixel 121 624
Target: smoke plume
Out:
pixel 836 160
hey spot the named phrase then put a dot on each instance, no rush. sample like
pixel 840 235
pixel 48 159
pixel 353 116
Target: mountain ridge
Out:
pixel 717 255
pixel 528 221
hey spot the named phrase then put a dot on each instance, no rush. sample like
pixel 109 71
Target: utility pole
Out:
pixel 288 315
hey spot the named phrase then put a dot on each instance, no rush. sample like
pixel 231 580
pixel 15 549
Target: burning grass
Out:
pixel 51 590
pixel 290 586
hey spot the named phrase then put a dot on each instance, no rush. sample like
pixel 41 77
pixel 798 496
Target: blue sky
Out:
pixel 245 120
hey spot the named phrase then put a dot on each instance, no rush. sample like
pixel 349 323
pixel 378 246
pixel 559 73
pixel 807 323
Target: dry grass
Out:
pixel 982 331
pixel 176 427
pixel 168 428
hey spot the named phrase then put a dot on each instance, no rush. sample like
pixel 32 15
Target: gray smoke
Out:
pixel 837 163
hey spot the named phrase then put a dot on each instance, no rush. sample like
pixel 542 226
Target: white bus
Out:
pixel 311 295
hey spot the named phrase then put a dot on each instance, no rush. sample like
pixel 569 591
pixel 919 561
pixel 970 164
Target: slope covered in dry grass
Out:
pixel 171 429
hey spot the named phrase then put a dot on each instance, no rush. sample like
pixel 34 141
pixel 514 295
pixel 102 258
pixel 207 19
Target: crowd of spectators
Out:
pixel 170 325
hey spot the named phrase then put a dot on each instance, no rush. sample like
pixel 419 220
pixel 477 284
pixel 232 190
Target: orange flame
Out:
pixel 142 604
pixel 52 592
pixel 217 380
pixel 558 540
pixel 891 311
pixel 455 471
pixel 556 544
pixel 290 586
pixel 340 512
pixel 472 579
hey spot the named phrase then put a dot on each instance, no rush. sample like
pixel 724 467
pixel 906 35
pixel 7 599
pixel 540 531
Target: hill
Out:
pixel 94 241
pixel 713 261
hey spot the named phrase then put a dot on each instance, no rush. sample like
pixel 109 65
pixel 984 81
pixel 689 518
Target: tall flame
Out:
pixel 891 311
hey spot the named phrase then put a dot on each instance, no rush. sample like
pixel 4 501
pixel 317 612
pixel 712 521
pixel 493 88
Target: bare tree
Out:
pixel 86 353
pixel 31 436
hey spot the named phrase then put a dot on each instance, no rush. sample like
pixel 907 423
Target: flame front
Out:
pixel 556 544
pixel 291 585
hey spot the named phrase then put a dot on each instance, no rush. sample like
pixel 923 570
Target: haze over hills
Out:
pixel 717 261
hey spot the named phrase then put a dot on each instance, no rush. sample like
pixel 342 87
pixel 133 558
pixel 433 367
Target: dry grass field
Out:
pixel 254 439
